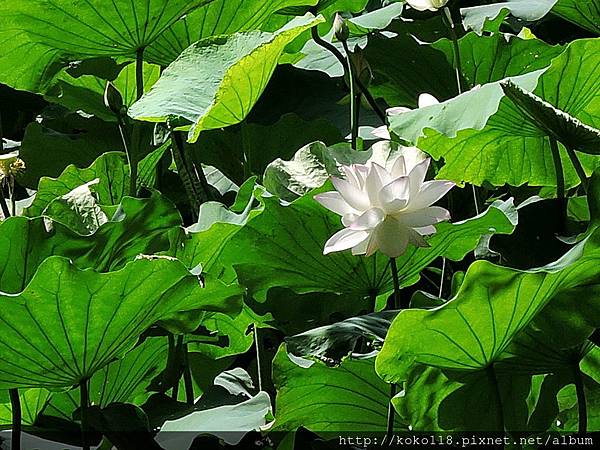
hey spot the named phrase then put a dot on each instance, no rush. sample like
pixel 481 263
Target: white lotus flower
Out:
pixel 422 5
pixel 385 210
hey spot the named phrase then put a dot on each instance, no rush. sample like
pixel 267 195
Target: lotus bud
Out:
pixel 113 99
pixel 340 28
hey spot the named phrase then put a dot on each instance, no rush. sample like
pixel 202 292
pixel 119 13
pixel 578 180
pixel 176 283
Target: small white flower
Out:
pixel 385 210
pixel 422 5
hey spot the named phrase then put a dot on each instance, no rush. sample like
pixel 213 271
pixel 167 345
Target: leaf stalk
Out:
pixel 15 404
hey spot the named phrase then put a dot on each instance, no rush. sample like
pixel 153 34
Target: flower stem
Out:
pixel 258 347
pixel 15 404
pixel 351 77
pixel 447 16
pixel 558 168
pixel 3 205
pixel 581 399
pixel 83 405
pixel 491 372
pixel 130 160
pixel 578 168
pixel 560 182
pixel 340 57
pixel 397 305
pixel 139 72
pixel 187 377
pixel 194 180
pixel 441 291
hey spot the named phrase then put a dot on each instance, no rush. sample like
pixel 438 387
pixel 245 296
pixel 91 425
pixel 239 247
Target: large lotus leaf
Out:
pixel 484 59
pixel 39 36
pixel 33 401
pixel 283 246
pixel 125 380
pixel 86 92
pixel 569 131
pixel 476 17
pixel 247 150
pixel 69 323
pixel 216 18
pixel 471 331
pixel 495 141
pixel 110 169
pixel 585 13
pixel 52 145
pixel 330 399
pixel 436 402
pixel 111 172
pixel 140 226
pixel 217 81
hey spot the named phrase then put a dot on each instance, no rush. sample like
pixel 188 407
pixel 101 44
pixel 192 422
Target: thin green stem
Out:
pixel 447 16
pixel 342 60
pixel 558 168
pixel 390 414
pixel 178 354
pixel 351 83
pixel 187 377
pixel 258 347
pixel 15 404
pixel 11 195
pixel 455 48
pixel 398 304
pixel 581 399
pixel 194 180
pixel 491 373
pixel 3 205
pixel 357 102
pixel 578 168
pixel 560 182
pixel 441 290
pixel 139 72
pixel 130 160
pixel 84 404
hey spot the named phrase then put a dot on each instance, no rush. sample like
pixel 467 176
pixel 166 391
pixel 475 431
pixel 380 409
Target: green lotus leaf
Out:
pixel 69 323
pixel 585 13
pixel 217 18
pixel 471 331
pixel 330 399
pixel 125 380
pixel 498 143
pixel 139 227
pixel 283 247
pixel 218 80
pixel 40 37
